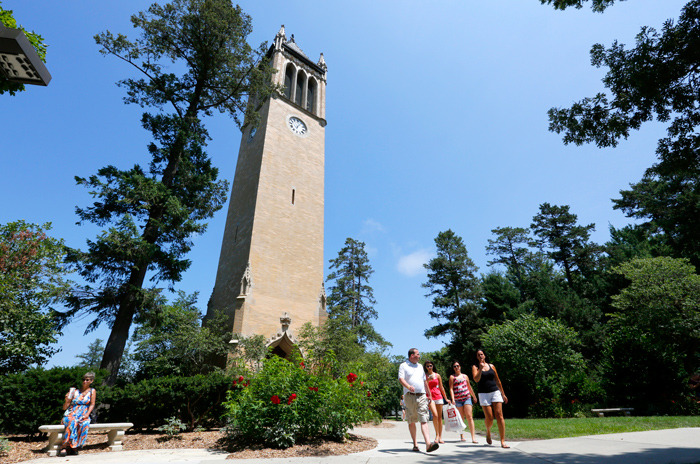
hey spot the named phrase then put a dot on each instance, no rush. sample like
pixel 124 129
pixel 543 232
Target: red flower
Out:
pixel 292 397
pixel 351 377
pixel 234 383
pixel 369 393
pixel 313 389
pixel 302 364
pixel 362 384
pixel 240 379
pixel 246 384
pixel 275 399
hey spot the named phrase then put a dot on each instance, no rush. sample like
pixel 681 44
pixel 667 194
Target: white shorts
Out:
pixel 440 401
pixel 485 399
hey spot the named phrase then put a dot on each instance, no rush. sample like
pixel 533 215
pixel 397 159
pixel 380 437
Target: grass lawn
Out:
pixel 542 429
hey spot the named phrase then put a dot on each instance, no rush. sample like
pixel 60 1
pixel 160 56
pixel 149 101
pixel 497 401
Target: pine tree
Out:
pixel 152 213
pixel 351 298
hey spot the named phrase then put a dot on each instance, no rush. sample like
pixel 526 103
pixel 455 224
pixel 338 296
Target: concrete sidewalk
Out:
pixel 678 446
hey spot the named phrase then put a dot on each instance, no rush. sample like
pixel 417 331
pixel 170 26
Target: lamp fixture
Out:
pixel 19 61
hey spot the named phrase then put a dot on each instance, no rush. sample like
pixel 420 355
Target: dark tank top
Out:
pixel 487 382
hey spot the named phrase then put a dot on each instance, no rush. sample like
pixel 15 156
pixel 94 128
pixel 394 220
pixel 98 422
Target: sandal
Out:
pixel 415 448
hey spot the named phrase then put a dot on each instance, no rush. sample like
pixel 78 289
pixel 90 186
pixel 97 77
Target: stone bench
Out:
pixel 114 435
pixel 601 412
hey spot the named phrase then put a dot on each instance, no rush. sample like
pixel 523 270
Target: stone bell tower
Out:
pixel 271 263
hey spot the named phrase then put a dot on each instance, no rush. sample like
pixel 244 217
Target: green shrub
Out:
pixel 196 401
pixel 35 397
pixel 172 426
pixel 286 403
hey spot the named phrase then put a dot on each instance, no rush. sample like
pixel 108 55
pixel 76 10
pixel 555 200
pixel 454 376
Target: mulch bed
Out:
pixel 24 448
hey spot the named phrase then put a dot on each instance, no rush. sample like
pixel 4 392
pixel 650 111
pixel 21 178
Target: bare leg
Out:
pixel 412 430
pixel 488 421
pixel 498 412
pixel 426 433
pixel 461 413
pixel 437 421
pixel 470 420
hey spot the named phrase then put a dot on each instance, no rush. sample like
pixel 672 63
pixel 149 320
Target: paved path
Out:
pixel 677 446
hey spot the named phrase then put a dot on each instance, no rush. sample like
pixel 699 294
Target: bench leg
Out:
pixel 601 414
pixel 627 413
pixel 114 440
pixel 55 441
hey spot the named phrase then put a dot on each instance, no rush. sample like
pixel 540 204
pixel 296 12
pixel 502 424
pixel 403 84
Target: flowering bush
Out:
pixel 318 405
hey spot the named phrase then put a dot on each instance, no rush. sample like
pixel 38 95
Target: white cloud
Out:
pixel 412 264
pixel 370 225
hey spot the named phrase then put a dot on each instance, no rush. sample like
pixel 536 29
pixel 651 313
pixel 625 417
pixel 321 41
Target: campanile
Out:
pixel 271 260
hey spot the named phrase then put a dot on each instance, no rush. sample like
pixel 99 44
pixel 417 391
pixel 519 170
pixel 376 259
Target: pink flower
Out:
pixel 292 397
pixel 275 399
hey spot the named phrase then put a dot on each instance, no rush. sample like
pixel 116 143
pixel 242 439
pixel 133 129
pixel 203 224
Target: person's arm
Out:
pixel 403 382
pixel 427 389
pixel 93 396
pixel 442 387
pixel 68 398
pixel 498 383
pixel 471 390
pixel 476 373
pixel 452 390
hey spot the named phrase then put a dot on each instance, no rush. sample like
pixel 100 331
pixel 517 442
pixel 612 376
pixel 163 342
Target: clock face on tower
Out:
pixel 296 125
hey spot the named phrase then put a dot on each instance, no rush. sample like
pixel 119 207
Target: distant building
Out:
pixel 270 271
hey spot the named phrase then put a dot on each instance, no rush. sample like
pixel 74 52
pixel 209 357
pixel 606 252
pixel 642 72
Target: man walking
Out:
pixel 417 398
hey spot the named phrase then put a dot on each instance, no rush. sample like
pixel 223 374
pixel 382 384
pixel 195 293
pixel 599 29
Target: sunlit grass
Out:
pixel 542 429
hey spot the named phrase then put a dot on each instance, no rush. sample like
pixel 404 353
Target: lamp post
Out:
pixel 19 61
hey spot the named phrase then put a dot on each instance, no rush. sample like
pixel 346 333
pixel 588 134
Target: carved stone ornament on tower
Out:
pixel 283 342
pixel 274 226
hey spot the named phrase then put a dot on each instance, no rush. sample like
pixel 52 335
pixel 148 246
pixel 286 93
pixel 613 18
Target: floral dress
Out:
pixel 76 427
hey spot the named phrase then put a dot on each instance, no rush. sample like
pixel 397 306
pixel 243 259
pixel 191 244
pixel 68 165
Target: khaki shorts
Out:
pixel 416 408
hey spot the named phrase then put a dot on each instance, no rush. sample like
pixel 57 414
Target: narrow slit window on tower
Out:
pixel 311 95
pixel 288 79
pixel 293 195
pixel 301 83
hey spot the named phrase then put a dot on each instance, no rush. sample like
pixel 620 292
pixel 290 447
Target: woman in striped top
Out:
pixel 462 395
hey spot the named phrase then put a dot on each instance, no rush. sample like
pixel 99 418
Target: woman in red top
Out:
pixel 437 391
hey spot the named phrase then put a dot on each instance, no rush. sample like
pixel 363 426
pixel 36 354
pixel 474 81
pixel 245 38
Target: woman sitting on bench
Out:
pixel 78 404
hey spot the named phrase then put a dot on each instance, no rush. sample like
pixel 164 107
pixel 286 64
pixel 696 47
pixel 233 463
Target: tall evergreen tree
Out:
pixel 350 297
pixel 456 293
pixel 567 242
pixel 509 250
pixel 152 213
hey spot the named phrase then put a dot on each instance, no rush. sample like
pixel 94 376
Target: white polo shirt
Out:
pixel 414 375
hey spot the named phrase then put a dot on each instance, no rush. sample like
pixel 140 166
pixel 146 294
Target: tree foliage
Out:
pixel 173 342
pixel 567 242
pixel 350 297
pixel 152 213
pixel 8 20
pixel 596 5
pixel 456 293
pixel 655 333
pixel 32 281
pixel 539 363
pixel 659 78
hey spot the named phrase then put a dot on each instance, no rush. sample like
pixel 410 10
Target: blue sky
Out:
pixel 436 119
